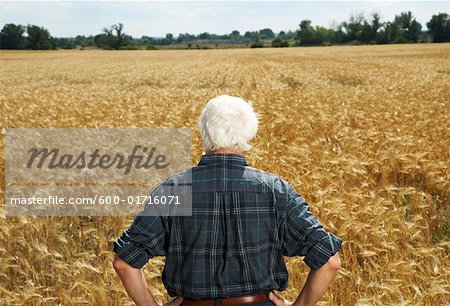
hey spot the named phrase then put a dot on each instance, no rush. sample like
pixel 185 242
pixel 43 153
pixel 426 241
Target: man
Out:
pixel 230 251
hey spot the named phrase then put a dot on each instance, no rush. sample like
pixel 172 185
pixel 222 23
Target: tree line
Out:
pixel 404 28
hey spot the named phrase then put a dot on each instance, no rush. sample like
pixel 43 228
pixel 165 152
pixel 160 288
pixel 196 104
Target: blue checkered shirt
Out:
pixel 243 221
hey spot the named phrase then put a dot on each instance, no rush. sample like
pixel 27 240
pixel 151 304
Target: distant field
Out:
pixel 362 132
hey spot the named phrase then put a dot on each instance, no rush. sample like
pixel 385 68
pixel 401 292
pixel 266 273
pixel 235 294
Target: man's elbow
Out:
pixel 334 263
pixel 120 265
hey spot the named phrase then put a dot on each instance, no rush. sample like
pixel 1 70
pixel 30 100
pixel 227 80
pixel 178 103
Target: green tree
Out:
pixel 106 41
pixel 113 38
pixel 169 37
pixel 66 43
pixel 289 35
pixel 391 33
pixel 339 34
pixel 39 38
pixel 185 37
pixel 354 27
pixel 376 27
pixel 204 35
pixel 266 34
pixel 145 41
pixel 409 28
pixel 308 35
pixel 122 38
pixel 235 35
pixel 11 37
pixel 365 35
pixel 439 27
pixel 305 34
pixel 83 41
pixel 370 30
pixel 253 35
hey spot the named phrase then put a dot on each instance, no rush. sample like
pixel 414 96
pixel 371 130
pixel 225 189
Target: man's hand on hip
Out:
pixel 278 300
pixel 175 301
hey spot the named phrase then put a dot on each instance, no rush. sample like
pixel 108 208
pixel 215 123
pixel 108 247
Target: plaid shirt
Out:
pixel 243 221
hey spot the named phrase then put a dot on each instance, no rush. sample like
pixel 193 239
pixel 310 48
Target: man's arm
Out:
pixel 134 282
pixel 316 284
pixel 303 235
pixel 141 241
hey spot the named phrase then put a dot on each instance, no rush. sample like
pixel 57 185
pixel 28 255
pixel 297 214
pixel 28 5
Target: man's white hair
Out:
pixel 227 122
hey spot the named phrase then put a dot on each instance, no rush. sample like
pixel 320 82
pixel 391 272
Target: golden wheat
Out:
pixel 363 133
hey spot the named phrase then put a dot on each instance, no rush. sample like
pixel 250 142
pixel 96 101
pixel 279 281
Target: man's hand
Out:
pixel 175 301
pixel 136 286
pixel 278 300
pixel 316 285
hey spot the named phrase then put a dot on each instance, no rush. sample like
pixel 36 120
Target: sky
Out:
pixel 156 18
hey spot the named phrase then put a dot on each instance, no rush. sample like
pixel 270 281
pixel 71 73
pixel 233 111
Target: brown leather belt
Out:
pixel 229 301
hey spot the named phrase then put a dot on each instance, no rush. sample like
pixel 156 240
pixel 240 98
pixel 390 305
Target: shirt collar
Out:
pixel 223 158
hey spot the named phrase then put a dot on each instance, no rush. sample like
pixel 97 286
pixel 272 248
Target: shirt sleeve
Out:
pixel 142 240
pixel 304 235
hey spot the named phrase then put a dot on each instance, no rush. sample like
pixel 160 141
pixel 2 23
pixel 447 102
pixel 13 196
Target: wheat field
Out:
pixel 362 132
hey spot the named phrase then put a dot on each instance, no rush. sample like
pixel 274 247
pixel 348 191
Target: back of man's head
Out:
pixel 227 122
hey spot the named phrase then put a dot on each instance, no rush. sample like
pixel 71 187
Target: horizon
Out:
pixel 154 19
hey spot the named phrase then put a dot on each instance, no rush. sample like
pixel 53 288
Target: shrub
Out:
pixel 401 40
pixel 279 43
pixel 284 44
pixel 128 48
pixel 257 45
pixel 353 42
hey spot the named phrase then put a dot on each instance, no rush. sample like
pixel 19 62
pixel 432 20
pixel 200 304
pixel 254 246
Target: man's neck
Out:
pixel 225 151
